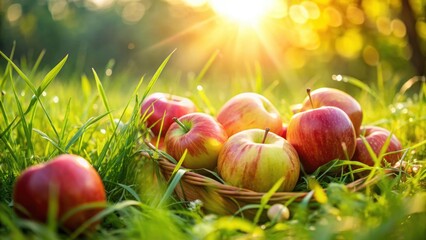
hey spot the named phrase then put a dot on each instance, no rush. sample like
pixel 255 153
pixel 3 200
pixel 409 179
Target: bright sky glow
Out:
pixel 243 11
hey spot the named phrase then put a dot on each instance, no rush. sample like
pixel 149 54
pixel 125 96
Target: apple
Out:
pixel 335 98
pixel 284 131
pixel 376 138
pixel 256 159
pixel 201 135
pixel 321 135
pixel 68 179
pixel 295 108
pixel 159 105
pixel 249 110
pixel 160 140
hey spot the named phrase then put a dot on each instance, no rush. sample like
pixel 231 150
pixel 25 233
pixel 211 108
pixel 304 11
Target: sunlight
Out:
pixel 242 11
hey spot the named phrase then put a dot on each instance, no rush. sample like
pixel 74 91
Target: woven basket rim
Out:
pixel 243 194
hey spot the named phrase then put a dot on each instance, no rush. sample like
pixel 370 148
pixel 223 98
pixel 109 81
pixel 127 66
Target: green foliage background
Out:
pixel 354 37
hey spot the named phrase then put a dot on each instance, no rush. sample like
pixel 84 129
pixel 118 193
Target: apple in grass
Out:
pixel 67 179
pixel 376 137
pixel 256 159
pixel 336 98
pixel 249 110
pixel 201 135
pixel 163 105
pixel 321 135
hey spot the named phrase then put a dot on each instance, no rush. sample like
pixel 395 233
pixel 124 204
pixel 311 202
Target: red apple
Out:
pixel 249 110
pixel 321 135
pixel 68 179
pixel 201 135
pixel 284 131
pixel 376 138
pixel 159 105
pixel 160 140
pixel 256 160
pixel 336 98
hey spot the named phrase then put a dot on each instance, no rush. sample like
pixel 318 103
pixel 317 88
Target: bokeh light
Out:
pixel 281 37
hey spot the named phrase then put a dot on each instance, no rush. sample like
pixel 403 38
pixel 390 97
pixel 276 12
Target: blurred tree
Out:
pixel 307 40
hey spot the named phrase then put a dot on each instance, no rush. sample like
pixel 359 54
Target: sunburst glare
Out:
pixel 241 11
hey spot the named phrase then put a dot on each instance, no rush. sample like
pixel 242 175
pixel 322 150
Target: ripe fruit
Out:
pixel 256 160
pixel 284 131
pixel 68 179
pixel 201 135
pixel 249 110
pixel 321 135
pixel 335 98
pixel 376 138
pixel 159 105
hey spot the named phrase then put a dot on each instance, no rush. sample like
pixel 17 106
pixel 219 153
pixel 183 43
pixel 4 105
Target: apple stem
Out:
pixel 180 124
pixel 308 90
pixel 266 135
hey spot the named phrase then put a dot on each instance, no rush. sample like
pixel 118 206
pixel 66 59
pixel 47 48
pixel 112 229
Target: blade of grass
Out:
pixel 319 193
pixel 20 73
pixel 206 67
pixel 82 129
pixel 117 207
pixel 27 130
pixel 358 83
pixel 53 207
pixel 7 221
pixel 50 76
pixel 46 137
pixel 65 123
pixel 131 191
pixel 265 198
pixel 101 92
pixel 8 70
pixel 259 79
pixel 37 63
pixel 175 179
pixel 205 99
pixel 107 145
pixel 157 75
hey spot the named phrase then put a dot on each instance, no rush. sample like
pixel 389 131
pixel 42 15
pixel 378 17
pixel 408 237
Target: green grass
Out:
pixel 43 114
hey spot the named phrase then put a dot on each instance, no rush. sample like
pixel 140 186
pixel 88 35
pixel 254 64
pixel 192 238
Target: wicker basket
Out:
pixel 222 199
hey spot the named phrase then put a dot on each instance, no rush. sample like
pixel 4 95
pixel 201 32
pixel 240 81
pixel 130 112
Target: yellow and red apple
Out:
pixel 256 159
pixel 201 135
pixel 249 110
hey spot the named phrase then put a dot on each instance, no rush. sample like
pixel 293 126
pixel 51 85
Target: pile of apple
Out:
pixel 250 147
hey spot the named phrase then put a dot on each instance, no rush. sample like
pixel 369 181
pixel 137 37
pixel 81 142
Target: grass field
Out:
pixel 43 114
